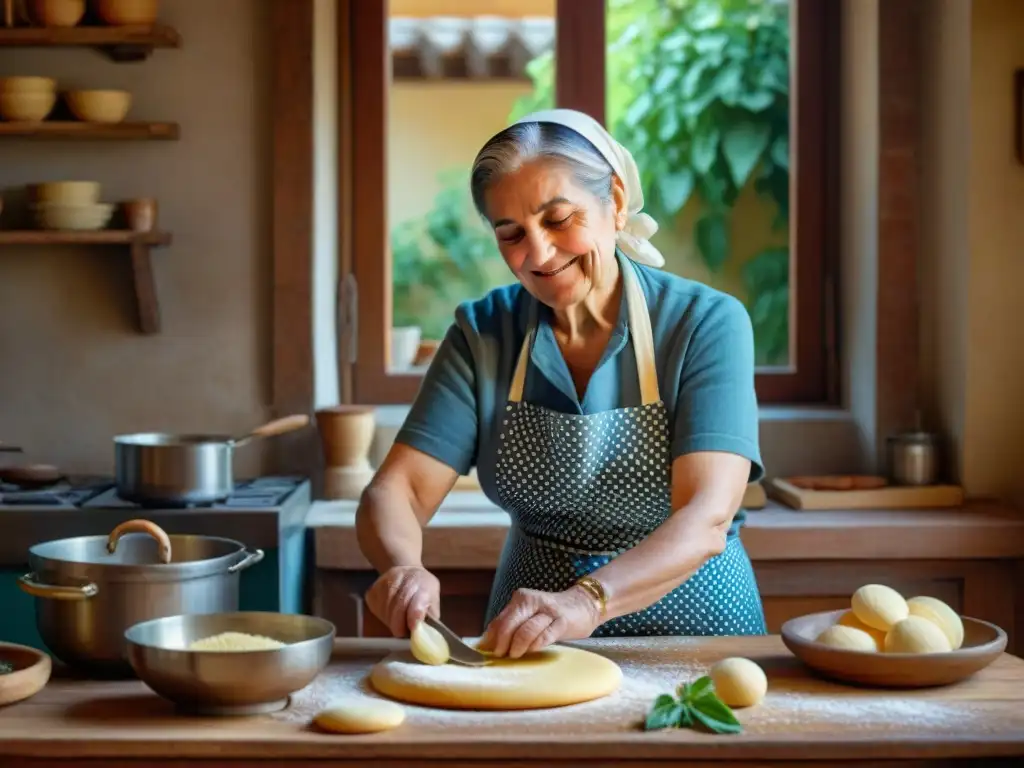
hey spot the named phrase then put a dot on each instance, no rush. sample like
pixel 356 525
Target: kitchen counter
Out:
pixel 469 531
pixel 802 718
pixel 805 561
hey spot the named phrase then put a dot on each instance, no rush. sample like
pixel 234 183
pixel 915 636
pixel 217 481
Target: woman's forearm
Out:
pixel 388 531
pixel 675 551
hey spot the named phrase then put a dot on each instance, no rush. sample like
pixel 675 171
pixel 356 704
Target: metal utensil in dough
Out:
pixel 458 650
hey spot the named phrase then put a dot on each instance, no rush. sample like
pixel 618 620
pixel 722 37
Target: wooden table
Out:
pixel 802 719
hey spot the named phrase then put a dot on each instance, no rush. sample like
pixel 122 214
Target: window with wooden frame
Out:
pixel 725 105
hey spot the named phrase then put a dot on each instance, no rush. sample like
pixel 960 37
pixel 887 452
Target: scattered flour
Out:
pixel 885 711
pixel 412 672
pixel 645 676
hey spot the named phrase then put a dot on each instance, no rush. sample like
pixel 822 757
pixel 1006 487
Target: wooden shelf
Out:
pixel 122 44
pixel 89 237
pixel 139 245
pixel 72 129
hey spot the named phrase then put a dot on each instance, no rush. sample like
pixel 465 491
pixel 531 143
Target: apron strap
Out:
pixel 515 393
pixel 643 336
pixel 639 328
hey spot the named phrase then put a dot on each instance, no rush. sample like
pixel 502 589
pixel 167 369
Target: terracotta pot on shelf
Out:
pixel 140 214
pixel 346 434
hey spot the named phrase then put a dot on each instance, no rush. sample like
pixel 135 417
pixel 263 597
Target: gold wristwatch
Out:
pixel 596 590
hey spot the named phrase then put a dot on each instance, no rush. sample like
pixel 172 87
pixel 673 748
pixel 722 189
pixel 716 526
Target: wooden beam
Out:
pixel 292 109
pixel 580 47
pixel 897 342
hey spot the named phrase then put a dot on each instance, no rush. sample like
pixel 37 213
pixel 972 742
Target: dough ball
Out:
pixel 848 639
pixel 879 606
pixel 941 615
pixel 916 635
pixel 360 714
pixel 739 682
pixel 428 645
pixel 849 619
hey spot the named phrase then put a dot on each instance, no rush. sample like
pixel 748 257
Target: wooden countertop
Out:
pixel 802 718
pixel 468 532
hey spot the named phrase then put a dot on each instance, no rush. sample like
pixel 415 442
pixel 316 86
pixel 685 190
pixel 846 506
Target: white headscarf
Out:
pixel 634 239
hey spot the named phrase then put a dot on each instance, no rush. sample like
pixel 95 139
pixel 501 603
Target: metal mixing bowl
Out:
pixel 229 682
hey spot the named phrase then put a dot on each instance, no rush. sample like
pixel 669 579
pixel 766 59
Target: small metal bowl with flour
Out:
pixel 240 663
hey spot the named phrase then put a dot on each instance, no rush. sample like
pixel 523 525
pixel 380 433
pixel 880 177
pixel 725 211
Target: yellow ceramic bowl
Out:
pixel 127 12
pixel 58 13
pixel 26 107
pixel 73 217
pixel 27 84
pixel 99 106
pixel 66 192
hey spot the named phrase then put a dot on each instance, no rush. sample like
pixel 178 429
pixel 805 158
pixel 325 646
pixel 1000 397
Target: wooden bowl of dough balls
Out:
pixel 884 639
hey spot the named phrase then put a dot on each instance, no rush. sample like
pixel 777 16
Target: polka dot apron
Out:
pixel 582 489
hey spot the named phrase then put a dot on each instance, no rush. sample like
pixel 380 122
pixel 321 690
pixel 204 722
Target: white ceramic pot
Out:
pixel 405 343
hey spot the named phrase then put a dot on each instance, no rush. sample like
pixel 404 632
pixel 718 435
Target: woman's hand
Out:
pixel 533 620
pixel 403 596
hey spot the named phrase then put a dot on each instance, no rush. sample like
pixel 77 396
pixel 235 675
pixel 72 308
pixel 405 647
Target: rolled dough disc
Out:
pixel 555 677
pixel 360 715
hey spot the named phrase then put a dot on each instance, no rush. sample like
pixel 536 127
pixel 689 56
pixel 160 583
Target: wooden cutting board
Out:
pixel 888 497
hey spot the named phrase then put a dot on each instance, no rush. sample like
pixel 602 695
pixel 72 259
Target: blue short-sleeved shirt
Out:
pixel 704 351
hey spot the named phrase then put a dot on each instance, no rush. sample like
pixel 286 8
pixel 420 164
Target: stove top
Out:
pixel 100 493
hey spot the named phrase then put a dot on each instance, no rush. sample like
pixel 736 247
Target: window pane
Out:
pixel 457 79
pixel 698 90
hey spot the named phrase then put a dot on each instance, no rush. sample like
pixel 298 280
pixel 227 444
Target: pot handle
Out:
pixel 251 558
pixel 141 526
pixel 35 588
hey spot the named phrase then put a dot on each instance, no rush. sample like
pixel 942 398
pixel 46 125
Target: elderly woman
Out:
pixel 608 406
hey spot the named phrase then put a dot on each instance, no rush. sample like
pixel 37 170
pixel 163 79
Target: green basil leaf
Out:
pixel 699 688
pixel 664 714
pixel 716 726
pixel 686 716
pixel 714 714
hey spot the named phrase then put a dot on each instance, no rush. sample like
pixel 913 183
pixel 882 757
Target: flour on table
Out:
pixel 882 711
pixel 644 678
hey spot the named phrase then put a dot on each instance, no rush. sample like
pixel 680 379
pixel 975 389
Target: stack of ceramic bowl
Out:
pixel 70 205
pixel 27 99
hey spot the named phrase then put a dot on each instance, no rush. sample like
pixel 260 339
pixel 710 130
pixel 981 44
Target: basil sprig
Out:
pixel 696 704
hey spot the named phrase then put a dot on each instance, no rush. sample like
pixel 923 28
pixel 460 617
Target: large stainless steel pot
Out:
pixel 91 589
pixel 154 468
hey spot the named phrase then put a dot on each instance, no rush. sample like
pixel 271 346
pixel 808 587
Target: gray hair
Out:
pixel 520 143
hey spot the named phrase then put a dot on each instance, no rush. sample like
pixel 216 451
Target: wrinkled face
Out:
pixel 556 236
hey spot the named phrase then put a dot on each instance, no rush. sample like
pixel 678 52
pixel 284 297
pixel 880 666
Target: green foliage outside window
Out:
pixel 698 90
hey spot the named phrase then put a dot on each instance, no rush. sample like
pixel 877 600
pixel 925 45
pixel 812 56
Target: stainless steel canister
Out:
pixel 913 458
